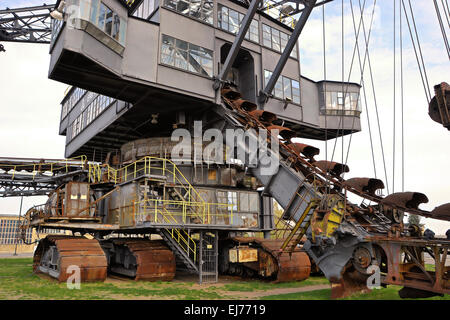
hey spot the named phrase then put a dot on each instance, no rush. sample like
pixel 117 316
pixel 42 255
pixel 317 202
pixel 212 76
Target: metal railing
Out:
pixel 157 168
pixel 288 228
pixel 181 211
pixel 173 212
pixel 184 240
pixel 35 167
pixel 271 10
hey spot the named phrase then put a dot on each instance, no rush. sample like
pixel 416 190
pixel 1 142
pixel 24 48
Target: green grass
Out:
pixel 17 281
pixel 389 293
pixel 252 285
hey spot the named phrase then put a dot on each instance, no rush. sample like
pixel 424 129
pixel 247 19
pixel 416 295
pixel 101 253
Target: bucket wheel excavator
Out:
pixel 345 240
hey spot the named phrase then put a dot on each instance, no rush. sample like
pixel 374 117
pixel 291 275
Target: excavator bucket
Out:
pixel 439 108
pixel 442 212
pixel 286 133
pixel 410 200
pixel 230 93
pixel 245 105
pixel 368 185
pixel 334 168
pixel 265 117
pixel 307 150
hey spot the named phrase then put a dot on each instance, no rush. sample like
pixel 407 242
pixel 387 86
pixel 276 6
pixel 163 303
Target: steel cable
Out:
pixel 367 55
pixel 441 25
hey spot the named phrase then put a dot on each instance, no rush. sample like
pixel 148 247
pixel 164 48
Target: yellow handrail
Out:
pixel 64 162
pixel 271 6
pixel 185 239
pixel 56 165
pixel 158 207
pixel 133 170
pixel 149 204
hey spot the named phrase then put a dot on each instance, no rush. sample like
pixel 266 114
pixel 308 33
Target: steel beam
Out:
pixel 237 43
pixel 27 9
pixel 29 24
pixel 264 94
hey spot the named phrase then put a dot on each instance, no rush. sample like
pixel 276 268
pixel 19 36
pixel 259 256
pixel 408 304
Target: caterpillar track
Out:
pixel 140 259
pixel 271 262
pixel 59 256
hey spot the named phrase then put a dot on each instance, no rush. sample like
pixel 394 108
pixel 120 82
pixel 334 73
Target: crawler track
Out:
pixel 273 263
pixel 58 255
pixel 142 259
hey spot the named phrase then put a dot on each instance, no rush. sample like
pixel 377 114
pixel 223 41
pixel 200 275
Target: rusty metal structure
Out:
pixel 144 205
pixel 345 239
pixel 439 109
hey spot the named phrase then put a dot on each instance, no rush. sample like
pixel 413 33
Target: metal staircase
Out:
pixel 184 203
pixel 178 239
pixel 181 252
pixel 300 228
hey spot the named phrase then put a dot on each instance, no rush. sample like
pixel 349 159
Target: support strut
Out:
pixel 264 94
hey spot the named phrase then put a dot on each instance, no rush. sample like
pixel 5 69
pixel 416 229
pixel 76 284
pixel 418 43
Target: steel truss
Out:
pixel 28 25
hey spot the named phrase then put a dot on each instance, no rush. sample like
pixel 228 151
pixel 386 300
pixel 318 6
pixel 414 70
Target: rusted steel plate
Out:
pixel 307 150
pixel 245 105
pixel 442 212
pixel 412 242
pixel 155 261
pixel 409 274
pixel 263 116
pixel 77 197
pixel 157 265
pixel 243 254
pixel 284 132
pixel 334 168
pixel 273 263
pixel 86 254
pixel 368 185
pixel 230 93
pixel 293 267
pixel 410 200
pixel 93 266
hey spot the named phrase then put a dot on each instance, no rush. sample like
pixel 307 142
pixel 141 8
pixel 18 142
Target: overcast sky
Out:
pixel 30 103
